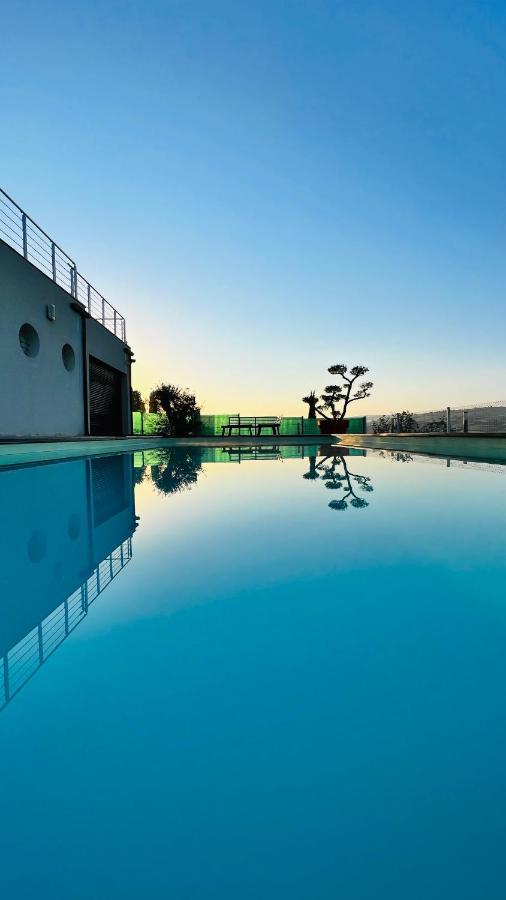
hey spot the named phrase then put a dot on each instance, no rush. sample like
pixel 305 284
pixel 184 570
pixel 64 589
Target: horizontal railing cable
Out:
pixel 22 233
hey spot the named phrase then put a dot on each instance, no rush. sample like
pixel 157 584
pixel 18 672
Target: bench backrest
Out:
pixel 254 420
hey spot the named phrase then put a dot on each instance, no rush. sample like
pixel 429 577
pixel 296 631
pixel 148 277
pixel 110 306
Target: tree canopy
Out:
pixel 335 399
pixel 138 404
pixel 180 409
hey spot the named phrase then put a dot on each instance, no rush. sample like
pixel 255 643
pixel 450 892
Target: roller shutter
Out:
pixel 105 399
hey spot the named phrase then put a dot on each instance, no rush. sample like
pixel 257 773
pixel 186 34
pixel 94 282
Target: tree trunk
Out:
pixel 312 408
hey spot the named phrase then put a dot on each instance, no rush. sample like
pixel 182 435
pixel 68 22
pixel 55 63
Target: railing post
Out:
pixel 465 424
pixel 6 679
pixel 114 321
pixel 103 311
pixel 40 642
pixel 25 236
pixel 53 259
pixel 448 420
pixel 74 279
pixel 89 297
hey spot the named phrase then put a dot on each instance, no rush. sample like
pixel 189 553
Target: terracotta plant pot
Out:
pixel 333 426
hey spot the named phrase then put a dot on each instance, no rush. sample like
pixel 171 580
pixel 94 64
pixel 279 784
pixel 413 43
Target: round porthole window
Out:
pixel 69 357
pixel 29 340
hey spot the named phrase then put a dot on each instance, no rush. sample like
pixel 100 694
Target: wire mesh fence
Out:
pixel 487 418
pixel 19 231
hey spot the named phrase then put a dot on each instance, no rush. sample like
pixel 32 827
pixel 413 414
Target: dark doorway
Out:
pixel 106 416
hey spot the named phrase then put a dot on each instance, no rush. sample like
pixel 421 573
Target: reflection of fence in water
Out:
pixel 22 661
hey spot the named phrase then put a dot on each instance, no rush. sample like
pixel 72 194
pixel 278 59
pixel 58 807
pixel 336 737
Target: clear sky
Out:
pixel 266 188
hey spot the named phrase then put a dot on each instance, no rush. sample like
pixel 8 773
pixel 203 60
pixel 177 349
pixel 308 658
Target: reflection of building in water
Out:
pixel 65 534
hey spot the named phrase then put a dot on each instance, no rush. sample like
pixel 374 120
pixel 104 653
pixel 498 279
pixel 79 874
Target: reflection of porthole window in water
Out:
pixel 37 546
pixel 74 527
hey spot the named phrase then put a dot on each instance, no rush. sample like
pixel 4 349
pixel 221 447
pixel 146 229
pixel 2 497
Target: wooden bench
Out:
pixel 253 424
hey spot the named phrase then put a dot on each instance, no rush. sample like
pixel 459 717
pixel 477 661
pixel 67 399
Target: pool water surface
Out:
pixel 253 673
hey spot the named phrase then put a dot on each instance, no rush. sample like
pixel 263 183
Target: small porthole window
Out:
pixel 69 357
pixel 29 340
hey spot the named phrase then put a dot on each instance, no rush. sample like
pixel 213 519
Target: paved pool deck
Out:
pixel 479 446
pixel 15 453
pixel 483 447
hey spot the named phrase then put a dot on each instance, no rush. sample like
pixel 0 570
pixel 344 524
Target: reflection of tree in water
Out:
pixel 395 456
pixel 177 470
pixel 139 475
pixel 337 477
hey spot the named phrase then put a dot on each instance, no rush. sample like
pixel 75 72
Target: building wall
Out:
pixel 39 397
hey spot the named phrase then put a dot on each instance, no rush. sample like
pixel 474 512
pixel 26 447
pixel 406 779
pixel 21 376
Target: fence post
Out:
pixel 53 259
pixel 465 423
pixel 25 236
pixel 302 424
pixel 448 420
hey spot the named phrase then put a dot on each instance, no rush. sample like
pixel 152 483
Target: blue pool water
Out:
pixel 231 677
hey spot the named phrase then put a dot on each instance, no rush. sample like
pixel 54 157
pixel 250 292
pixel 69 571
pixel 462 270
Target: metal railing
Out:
pixel 473 418
pixel 23 234
pixel 23 660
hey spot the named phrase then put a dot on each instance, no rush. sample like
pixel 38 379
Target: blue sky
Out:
pixel 264 189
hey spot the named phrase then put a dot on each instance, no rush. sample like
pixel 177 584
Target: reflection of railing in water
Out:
pixel 26 657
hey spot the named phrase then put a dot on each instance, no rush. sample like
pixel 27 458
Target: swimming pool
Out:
pixel 254 673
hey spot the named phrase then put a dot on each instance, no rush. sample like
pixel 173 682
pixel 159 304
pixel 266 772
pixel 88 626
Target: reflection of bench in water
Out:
pixel 252 424
pixel 20 662
pixel 238 454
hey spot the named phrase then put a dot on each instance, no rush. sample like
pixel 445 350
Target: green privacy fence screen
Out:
pixel 211 425
pixel 356 425
pixel 145 423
